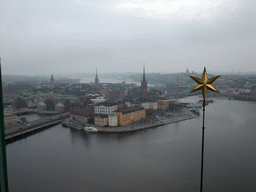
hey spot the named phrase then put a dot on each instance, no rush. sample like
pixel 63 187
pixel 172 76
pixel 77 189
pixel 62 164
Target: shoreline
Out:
pixel 143 126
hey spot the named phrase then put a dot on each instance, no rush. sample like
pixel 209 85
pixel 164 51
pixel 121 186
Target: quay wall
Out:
pixel 132 128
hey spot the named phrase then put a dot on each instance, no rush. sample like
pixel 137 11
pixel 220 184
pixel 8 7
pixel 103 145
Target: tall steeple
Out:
pixel 144 86
pixel 51 82
pixel 144 77
pixel 96 78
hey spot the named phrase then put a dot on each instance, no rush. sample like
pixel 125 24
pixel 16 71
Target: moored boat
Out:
pixel 195 111
pixel 91 129
pixel 65 123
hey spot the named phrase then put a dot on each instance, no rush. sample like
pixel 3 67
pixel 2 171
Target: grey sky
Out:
pixel 49 36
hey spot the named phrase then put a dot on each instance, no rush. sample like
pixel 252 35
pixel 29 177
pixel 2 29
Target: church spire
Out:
pixel 96 78
pixel 144 78
pixel 51 82
pixel 144 87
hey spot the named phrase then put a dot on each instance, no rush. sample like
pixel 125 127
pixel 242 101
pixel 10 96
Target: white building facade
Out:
pixel 149 105
pixel 112 119
pixel 102 109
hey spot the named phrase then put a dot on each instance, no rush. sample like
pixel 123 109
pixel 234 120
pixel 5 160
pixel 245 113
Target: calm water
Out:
pixel 166 158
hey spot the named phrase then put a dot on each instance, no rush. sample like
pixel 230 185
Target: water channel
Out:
pixel 166 158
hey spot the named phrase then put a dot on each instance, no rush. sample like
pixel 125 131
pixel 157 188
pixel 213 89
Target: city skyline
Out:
pixel 47 37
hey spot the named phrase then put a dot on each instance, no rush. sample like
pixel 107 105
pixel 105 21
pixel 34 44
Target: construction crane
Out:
pixel 178 84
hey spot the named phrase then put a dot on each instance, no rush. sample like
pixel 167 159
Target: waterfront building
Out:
pixel 41 106
pixel 144 88
pixel 130 115
pixel 112 119
pixel 149 105
pixel 59 107
pixel 31 104
pixel 101 120
pixel 253 91
pixel 10 119
pixel 80 111
pixel 104 108
pixel 163 104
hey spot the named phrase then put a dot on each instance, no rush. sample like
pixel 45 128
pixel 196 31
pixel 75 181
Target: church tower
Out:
pixel 96 78
pixel 144 87
pixel 51 82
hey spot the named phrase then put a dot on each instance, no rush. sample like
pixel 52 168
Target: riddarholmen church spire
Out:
pixel 144 86
pixel 144 78
pixel 51 82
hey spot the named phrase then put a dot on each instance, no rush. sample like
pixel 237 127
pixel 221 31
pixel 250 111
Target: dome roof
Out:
pixel 59 105
pixel 41 104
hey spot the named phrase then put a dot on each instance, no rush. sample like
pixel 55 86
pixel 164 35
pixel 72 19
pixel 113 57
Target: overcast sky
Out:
pixel 167 36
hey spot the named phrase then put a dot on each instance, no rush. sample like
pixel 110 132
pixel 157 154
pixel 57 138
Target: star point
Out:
pixel 204 84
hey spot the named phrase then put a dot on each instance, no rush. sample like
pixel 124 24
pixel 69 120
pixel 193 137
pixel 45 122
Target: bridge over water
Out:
pixel 22 129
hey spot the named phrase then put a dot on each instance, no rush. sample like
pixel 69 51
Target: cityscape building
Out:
pixel 105 108
pixel 10 119
pixel 80 111
pixel 101 120
pixel 130 115
pixel 59 107
pixel 112 119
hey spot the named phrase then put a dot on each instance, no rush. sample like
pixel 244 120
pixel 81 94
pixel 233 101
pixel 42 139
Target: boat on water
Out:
pixel 194 105
pixel 91 129
pixel 65 123
pixel 195 111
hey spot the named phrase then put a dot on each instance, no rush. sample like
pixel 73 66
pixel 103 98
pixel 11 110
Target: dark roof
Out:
pixel 108 104
pixel 130 109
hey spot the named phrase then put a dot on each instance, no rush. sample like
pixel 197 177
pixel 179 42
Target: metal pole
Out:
pixel 202 153
pixel 3 163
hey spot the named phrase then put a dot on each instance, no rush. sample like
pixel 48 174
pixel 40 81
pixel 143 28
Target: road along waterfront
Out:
pixel 22 129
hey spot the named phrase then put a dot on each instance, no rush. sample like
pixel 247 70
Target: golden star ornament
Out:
pixel 204 83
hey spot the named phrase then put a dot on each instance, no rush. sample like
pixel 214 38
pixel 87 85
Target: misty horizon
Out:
pixel 77 36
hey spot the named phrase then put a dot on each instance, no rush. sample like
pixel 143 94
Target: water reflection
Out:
pixel 165 158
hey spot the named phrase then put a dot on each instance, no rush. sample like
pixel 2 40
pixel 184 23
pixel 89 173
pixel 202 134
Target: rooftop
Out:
pixel 108 104
pixel 130 109
pixel 112 114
